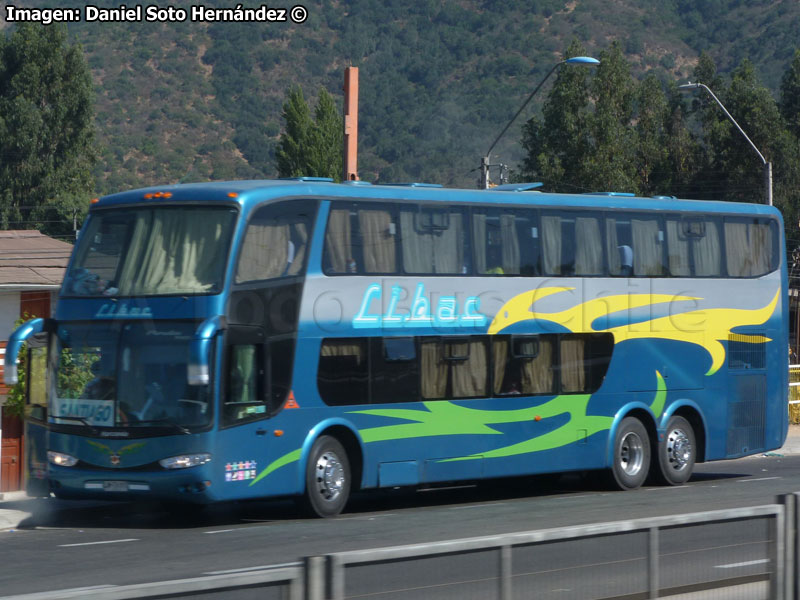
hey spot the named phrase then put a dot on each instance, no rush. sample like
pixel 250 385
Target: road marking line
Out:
pixel 87 588
pixel 476 506
pixel 757 479
pixel 743 564
pixel 219 531
pixel 367 517
pixel 96 543
pixel 246 569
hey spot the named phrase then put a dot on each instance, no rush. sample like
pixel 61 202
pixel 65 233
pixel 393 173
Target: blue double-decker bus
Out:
pixel 303 338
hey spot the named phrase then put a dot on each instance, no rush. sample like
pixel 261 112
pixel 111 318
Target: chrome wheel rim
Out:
pixel 679 449
pixel 329 476
pixel 631 454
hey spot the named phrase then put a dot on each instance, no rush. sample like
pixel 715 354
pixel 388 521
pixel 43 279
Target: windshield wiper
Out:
pixel 81 420
pixel 173 424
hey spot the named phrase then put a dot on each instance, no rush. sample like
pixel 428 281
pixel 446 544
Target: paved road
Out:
pixel 61 548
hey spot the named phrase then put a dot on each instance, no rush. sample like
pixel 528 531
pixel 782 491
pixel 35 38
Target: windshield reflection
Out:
pixel 127 375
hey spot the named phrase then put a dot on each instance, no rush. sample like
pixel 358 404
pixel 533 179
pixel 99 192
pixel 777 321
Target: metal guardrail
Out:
pixel 283 583
pixel 498 566
pixel 507 569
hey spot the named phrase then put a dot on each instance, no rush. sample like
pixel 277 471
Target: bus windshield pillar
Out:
pixel 198 372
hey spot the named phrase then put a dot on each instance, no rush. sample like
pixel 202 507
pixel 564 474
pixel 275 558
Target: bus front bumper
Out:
pixel 191 485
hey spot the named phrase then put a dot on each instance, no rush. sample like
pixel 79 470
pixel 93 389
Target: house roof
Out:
pixel 29 257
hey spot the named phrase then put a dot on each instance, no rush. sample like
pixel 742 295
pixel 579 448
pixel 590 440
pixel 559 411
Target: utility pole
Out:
pixel 350 139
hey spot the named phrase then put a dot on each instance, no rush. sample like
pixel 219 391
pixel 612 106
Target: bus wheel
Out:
pixel 327 478
pixel 677 452
pixel 631 459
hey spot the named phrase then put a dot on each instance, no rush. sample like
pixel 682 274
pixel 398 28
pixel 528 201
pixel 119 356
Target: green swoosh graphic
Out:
pixel 445 418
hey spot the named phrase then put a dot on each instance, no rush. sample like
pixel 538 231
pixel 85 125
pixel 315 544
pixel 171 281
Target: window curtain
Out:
pixel 479 236
pixel 337 240
pixel 448 247
pixel 678 248
pixel 573 374
pixel 589 246
pixel 265 252
pixel 747 248
pixel 378 241
pixel 707 252
pixel 501 363
pixel 469 376
pixel 417 246
pixel 646 248
pixel 614 263
pixel 551 244
pixel 537 373
pixel 300 240
pixel 344 349
pixel 176 252
pixel 511 253
pixel 433 371
pixel 243 377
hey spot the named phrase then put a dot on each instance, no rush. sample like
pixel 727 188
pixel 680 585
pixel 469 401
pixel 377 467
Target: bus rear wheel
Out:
pixel 327 478
pixel 631 459
pixel 676 452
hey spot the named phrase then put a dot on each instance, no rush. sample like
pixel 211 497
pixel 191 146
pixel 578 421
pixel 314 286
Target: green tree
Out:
pixel 310 147
pixel 790 95
pixel 652 148
pixel 611 163
pixel 556 144
pixel 46 127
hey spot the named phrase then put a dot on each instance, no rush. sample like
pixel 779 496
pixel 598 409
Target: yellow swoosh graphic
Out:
pixel 706 328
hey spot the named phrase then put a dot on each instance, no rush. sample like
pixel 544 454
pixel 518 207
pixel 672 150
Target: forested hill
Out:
pixel 192 101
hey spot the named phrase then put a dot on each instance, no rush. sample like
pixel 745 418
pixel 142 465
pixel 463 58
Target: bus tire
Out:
pixel 327 478
pixel 630 461
pixel 676 452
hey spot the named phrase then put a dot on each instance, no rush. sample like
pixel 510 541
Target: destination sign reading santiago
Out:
pixel 153 13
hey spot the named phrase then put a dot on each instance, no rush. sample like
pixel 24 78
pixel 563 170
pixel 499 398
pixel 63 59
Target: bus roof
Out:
pixel 248 193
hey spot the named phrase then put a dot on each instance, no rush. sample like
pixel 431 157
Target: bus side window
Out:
pixel 275 242
pixel 749 246
pixel 395 370
pixel 504 242
pixel 244 399
pixel 523 365
pixel 635 246
pixel 584 360
pixel 572 244
pixel 434 241
pixel 454 368
pixel 360 240
pixel 343 374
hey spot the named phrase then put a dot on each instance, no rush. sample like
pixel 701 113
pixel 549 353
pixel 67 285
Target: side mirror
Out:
pixel 198 372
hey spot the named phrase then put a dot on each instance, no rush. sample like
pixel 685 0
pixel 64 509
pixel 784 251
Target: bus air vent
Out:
pixel 415 184
pixel 516 187
pixel 305 178
pixel 623 194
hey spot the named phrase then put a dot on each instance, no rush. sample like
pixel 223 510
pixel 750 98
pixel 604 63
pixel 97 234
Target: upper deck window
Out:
pixel 276 242
pixel 152 251
pixel 360 239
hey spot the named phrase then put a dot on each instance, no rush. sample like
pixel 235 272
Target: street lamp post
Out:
pixel 764 161
pixel 485 160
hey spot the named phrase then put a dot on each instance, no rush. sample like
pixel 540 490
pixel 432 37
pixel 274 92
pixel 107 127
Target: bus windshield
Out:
pixel 151 251
pixel 131 374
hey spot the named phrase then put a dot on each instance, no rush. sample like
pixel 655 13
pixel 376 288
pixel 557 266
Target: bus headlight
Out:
pixel 184 461
pixel 61 459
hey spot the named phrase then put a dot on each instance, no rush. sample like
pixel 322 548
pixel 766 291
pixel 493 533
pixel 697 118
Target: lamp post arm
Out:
pixel 732 120
pixel 524 104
